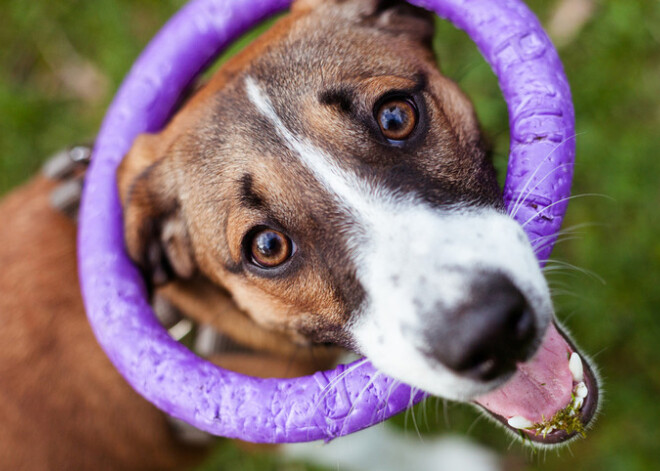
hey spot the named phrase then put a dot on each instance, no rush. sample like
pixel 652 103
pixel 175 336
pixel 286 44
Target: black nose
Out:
pixel 486 336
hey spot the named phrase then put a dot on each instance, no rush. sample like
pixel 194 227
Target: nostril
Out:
pixel 519 321
pixel 482 365
pixel 489 334
pixel 522 322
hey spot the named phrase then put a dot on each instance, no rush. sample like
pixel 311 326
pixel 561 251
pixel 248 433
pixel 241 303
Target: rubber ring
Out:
pixel 349 398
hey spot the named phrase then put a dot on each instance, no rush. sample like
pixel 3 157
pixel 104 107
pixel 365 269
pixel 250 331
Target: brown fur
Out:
pixel 63 405
pixel 208 178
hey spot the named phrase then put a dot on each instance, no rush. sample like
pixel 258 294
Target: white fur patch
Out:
pixel 345 187
pixel 421 262
pixel 413 261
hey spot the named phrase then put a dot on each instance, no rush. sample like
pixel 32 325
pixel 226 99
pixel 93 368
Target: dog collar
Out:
pixel 351 397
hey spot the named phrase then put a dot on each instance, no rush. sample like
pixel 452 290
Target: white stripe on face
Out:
pixel 348 190
pixel 406 256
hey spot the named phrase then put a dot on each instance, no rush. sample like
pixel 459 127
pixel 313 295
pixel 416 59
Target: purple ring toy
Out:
pixel 349 398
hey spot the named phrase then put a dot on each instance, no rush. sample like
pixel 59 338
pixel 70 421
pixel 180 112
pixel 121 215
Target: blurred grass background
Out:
pixel 61 61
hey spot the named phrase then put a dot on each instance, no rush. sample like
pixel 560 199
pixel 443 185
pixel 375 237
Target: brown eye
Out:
pixel 269 248
pixel 397 118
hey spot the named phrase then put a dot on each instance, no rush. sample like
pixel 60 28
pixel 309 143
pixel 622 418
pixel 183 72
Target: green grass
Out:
pixel 614 68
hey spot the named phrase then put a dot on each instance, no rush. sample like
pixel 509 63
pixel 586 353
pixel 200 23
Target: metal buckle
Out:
pixel 64 163
pixel 68 166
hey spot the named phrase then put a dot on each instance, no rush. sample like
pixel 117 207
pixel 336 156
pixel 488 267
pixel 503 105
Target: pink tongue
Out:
pixel 540 388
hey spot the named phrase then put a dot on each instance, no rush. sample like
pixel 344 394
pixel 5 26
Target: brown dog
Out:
pixel 328 186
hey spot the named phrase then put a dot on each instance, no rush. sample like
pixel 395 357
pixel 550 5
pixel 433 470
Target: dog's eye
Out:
pixel 269 248
pixel 397 118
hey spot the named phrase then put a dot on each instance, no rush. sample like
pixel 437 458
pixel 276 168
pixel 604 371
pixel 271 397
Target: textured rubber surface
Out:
pixel 332 403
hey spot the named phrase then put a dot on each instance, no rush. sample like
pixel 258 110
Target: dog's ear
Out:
pixel 155 232
pixel 401 18
pixel 394 16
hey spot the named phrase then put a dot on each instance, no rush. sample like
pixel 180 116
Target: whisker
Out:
pixel 557 284
pixel 405 421
pixel 335 381
pixel 424 413
pixel 531 177
pixel 413 393
pixel 522 197
pixel 566 238
pixel 572 230
pixel 562 200
pixel 574 268
pixel 344 374
pixel 557 270
pixel 511 443
pixel 357 399
pixel 474 423
pixel 593 356
pixel 567 317
pixel 567 293
pixel 559 241
pixel 568 447
pixel 437 410
pixel 395 384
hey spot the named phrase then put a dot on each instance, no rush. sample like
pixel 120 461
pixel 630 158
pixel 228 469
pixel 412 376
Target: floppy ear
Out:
pixel 401 18
pixel 397 17
pixel 155 232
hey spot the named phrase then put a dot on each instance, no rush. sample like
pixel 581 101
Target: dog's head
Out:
pixel 336 184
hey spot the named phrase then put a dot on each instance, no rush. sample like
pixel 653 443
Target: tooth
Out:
pixel 577 404
pixel 575 365
pixel 581 390
pixel 547 430
pixel 519 422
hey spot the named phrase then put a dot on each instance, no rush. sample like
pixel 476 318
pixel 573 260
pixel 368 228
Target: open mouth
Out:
pixel 551 398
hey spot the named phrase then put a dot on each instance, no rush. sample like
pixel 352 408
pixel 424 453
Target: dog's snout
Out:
pixel 485 337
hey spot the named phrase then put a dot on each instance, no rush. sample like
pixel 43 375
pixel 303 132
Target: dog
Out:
pixel 328 189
